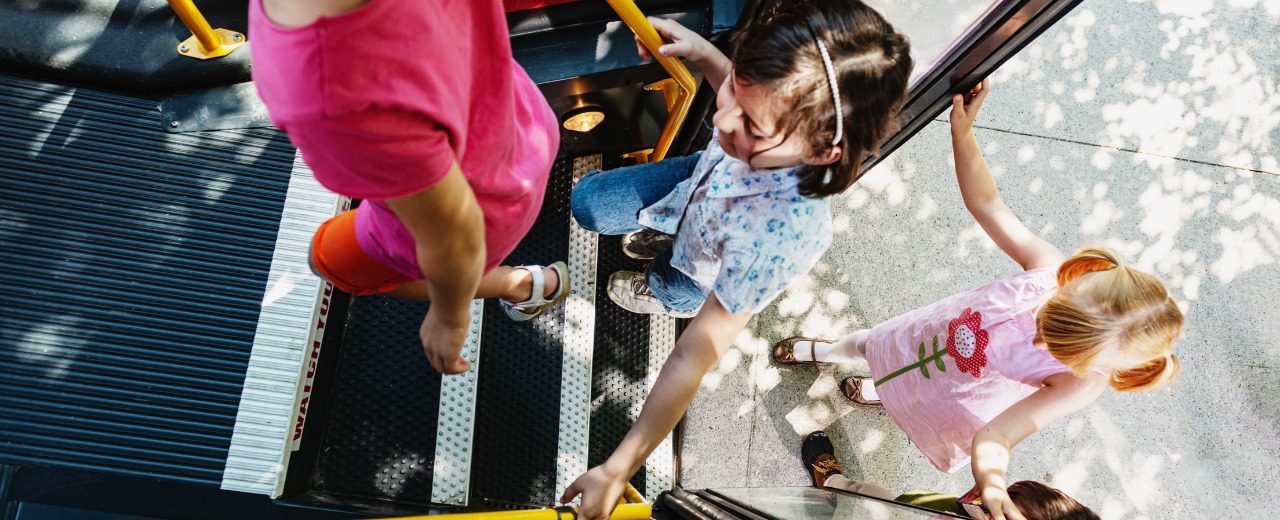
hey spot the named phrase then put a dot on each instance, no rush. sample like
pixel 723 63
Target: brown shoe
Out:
pixel 851 387
pixel 819 458
pixel 784 352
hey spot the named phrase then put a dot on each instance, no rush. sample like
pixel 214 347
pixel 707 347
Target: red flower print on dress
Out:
pixel 967 342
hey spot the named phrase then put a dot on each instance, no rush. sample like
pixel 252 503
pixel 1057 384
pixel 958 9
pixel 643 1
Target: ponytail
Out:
pixel 1148 376
pixel 1087 260
pixel 1108 314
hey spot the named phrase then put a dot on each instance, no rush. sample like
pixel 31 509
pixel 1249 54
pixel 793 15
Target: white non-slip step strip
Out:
pixel 451 480
pixel 268 415
pixel 658 468
pixel 579 336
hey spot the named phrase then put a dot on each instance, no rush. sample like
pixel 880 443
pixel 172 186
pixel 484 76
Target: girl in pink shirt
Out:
pixel 974 374
pixel 419 109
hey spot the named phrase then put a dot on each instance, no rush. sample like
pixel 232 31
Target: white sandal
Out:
pixel 536 305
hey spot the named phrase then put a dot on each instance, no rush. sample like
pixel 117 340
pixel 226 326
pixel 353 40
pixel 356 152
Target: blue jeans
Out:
pixel 609 203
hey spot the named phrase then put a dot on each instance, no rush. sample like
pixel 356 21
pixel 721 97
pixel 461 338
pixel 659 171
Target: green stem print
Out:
pixel 966 343
pixel 922 364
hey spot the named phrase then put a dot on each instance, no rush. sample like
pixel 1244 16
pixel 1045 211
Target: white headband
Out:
pixel 835 91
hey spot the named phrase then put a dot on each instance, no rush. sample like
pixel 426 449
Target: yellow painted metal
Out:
pixel 205 41
pixel 684 87
pixel 641 156
pixel 632 495
pixel 670 91
pixel 623 512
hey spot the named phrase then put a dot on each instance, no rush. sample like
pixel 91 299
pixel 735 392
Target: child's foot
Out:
pixel 630 290
pixel 819 458
pixel 646 244
pixel 539 299
pixel 799 349
pixel 860 390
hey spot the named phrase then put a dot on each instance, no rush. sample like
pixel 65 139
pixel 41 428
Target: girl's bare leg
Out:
pixel 503 282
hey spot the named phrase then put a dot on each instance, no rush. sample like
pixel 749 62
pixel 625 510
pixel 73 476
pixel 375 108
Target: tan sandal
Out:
pixel 784 352
pixel 851 387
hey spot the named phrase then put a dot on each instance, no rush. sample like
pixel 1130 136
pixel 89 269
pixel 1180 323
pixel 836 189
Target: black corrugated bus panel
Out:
pixel 136 260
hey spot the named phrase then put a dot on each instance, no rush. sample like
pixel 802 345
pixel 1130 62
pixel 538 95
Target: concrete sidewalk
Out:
pixel 1151 127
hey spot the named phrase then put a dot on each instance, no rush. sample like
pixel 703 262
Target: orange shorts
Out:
pixel 337 256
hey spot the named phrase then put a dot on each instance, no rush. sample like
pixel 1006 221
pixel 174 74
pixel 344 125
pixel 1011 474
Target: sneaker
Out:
pixel 630 290
pixel 819 458
pixel 646 244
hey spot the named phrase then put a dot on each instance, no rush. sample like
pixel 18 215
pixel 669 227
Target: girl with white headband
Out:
pixel 812 88
pixel 974 374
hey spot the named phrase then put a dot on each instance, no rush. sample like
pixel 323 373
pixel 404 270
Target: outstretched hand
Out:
pixel 964 107
pixel 442 340
pixel 600 489
pixel 998 504
pixel 684 42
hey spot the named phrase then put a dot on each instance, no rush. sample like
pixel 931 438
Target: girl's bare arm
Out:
pixel 1061 395
pixel 698 349
pixel 448 230
pixel 980 196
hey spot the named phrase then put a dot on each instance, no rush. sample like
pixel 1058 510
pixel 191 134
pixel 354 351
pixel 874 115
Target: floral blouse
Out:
pixel 747 232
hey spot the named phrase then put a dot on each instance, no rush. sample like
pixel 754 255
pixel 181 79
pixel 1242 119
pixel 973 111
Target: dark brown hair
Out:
pixel 872 64
pixel 1037 501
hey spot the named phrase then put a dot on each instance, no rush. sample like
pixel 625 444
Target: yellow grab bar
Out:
pixel 678 107
pixel 632 495
pixel 631 506
pixel 205 41
pixel 623 512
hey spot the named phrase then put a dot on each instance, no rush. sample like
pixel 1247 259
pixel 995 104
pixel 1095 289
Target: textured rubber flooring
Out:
pixel 380 437
pixel 620 360
pixel 518 401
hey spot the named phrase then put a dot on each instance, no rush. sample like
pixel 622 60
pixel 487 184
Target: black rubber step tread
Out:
pixel 380 438
pixel 518 401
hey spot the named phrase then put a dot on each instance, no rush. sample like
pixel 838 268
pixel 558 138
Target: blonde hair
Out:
pixel 1105 307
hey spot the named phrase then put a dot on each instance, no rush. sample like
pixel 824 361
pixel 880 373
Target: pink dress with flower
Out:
pixel 946 370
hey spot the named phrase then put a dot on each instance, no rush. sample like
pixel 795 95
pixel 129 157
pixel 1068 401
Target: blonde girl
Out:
pixel 971 376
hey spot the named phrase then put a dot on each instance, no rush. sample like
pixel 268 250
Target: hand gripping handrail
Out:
pixel 677 91
pixel 622 512
pixel 631 507
pixel 205 41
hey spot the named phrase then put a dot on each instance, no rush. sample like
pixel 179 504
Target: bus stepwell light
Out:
pixel 583 118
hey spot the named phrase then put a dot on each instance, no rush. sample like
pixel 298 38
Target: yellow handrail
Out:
pixel 678 107
pixel 205 41
pixel 622 512
pixel 631 506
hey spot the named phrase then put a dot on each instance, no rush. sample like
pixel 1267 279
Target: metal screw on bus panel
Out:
pixel 173 124
pixel 237 37
pixel 184 48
